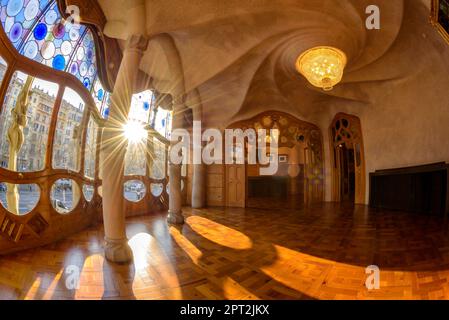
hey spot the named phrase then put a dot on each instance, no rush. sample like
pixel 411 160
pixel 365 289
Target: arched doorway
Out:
pixel 299 179
pixel 348 159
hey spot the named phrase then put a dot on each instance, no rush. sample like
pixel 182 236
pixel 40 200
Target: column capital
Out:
pixel 136 43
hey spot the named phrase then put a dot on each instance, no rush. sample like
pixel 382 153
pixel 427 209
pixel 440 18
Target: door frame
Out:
pixel 352 136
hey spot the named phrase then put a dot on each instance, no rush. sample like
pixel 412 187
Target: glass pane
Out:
pixel 158 166
pixel 98 94
pixel 134 190
pixel 65 195
pixel 140 106
pixel 184 170
pixel 157 189
pixel 32 117
pixel 3 68
pixel 19 17
pixel 90 151
pixel 39 32
pixel 88 192
pixel 135 160
pixel 163 122
pixel 67 143
pixel 19 199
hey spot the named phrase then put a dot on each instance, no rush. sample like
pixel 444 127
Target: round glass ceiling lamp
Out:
pixel 323 67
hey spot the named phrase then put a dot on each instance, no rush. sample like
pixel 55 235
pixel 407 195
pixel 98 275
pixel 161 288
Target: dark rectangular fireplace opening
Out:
pixel 421 189
pixel 268 187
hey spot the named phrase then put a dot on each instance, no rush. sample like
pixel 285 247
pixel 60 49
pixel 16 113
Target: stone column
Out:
pixel 175 197
pixel 114 148
pixel 199 170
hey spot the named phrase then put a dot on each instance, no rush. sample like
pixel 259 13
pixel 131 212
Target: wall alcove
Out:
pixel 299 179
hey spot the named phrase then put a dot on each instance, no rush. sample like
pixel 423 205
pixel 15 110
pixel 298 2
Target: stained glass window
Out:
pixel 135 161
pixel 38 31
pixel 140 106
pixel 163 122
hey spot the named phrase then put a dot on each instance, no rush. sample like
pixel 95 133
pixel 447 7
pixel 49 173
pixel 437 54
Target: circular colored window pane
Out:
pixel 31 50
pixel 59 31
pixel 16 32
pixel 31 10
pixel 74 68
pixel 14 7
pixel 59 62
pixel 51 16
pixel 90 54
pixel 86 83
pixel 100 95
pixel 40 31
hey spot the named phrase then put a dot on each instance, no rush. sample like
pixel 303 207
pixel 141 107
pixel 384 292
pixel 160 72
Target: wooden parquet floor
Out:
pixel 313 253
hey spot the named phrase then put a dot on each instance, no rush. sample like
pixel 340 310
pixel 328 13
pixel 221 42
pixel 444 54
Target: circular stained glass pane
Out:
pixel 31 49
pixel 59 31
pixel 92 70
pixel 74 68
pixel 16 32
pixel 59 62
pixel 100 94
pixel 80 53
pixel 83 69
pixel 90 54
pixel 14 7
pixel 48 50
pixel 86 82
pixel 51 17
pixel 31 10
pixel 74 34
pixel 9 22
pixel 66 48
pixel 40 32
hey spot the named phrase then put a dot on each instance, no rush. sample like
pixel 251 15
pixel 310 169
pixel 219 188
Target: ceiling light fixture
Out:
pixel 323 67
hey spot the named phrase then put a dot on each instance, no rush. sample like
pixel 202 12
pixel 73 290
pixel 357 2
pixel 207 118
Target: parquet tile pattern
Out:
pixel 314 253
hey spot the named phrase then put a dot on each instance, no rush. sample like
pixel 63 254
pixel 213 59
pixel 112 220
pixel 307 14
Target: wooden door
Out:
pixel 236 186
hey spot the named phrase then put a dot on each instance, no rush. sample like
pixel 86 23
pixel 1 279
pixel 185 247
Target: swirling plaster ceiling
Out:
pixel 241 55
